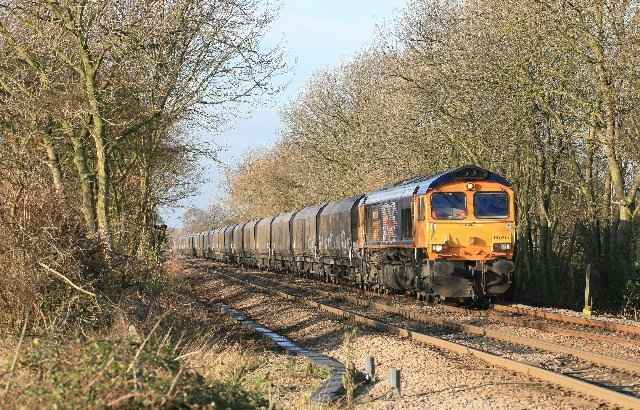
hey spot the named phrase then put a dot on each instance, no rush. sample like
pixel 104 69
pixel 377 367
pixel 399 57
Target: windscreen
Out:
pixel 448 205
pixel 491 204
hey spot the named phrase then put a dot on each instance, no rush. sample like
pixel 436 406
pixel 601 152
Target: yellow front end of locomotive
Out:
pixel 466 221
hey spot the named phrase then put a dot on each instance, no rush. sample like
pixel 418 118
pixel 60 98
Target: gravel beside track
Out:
pixel 432 378
pixel 584 369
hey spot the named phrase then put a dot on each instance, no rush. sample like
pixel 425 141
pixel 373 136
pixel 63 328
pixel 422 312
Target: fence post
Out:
pixel 370 367
pixel 394 380
pixel 586 312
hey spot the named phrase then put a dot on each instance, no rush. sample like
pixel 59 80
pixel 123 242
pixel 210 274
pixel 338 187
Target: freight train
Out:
pixel 445 236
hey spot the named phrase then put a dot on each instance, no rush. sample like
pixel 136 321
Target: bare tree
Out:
pixel 115 86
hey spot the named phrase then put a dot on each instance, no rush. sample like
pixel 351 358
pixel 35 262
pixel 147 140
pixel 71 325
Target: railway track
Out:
pixel 569 331
pixel 599 376
pixel 484 316
pixel 560 324
pixel 471 329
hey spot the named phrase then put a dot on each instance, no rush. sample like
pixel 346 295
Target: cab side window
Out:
pixel 406 221
pixel 421 209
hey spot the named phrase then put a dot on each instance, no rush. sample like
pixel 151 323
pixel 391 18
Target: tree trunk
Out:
pixel 53 162
pixel 622 239
pixel 98 134
pixel 543 200
pixel 144 245
pixel 86 179
pixel 102 202
pixel 610 115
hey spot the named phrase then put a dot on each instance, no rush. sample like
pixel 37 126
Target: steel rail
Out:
pixel 545 327
pixel 559 317
pixel 558 379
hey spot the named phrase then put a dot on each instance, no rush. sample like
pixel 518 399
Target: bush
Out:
pixel 632 298
pixel 118 373
pixel 44 253
pixel 37 249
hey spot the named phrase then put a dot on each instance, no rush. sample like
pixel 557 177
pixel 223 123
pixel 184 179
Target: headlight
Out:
pixel 438 248
pixel 501 247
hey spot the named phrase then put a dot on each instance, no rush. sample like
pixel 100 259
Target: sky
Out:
pixel 316 35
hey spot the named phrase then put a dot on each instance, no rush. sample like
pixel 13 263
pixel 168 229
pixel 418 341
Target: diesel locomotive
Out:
pixel 445 236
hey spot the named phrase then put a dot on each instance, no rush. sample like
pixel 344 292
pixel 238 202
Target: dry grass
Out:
pixel 104 372
pixel 286 382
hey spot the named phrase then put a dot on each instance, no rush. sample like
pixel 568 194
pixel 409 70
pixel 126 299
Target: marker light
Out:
pixel 438 248
pixel 470 186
